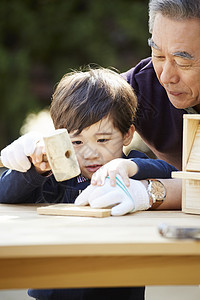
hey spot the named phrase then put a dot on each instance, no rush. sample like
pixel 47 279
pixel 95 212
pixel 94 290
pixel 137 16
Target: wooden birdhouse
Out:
pixel 190 165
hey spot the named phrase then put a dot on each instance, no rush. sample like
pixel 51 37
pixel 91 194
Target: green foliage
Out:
pixel 40 40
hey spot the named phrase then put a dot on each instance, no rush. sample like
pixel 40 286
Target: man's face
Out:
pixel 176 59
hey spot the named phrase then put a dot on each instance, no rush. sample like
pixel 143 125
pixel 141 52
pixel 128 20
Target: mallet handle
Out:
pixel 1 164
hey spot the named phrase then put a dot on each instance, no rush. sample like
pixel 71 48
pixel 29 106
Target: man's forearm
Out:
pixel 173 194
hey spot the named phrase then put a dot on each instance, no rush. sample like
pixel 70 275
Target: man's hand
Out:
pixel 123 199
pixel 124 167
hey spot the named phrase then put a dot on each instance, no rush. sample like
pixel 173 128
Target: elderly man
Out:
pixel 168 84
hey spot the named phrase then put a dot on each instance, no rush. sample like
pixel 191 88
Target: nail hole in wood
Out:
pixel 67 154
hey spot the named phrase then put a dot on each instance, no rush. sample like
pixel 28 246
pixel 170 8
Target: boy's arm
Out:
pixel 18 187
pixel 135 168
pixel 152 168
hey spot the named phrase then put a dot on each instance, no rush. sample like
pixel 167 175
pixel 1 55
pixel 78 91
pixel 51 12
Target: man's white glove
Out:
pixel 125 199
pixel 15 155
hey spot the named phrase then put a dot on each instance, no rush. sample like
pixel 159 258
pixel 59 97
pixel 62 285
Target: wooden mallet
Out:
pixel 60 155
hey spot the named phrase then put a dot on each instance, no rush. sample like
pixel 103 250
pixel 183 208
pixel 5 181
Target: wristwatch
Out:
pixel 157 192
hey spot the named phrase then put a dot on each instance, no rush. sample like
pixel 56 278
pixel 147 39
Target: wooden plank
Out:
pixel 186 175
pixel 192 211
pixel 192 200
pixel 108 271
pixel 190 165
pixel 63 209
pixel 194 157
pixel 190 191
pixel 192 116
pixel 189 131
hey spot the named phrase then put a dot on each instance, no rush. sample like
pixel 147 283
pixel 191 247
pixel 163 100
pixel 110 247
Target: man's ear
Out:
pixel 129 135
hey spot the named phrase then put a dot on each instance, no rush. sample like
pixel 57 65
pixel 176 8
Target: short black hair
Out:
pixel 82 98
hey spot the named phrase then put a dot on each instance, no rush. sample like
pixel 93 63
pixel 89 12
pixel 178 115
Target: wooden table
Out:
pixel 52 251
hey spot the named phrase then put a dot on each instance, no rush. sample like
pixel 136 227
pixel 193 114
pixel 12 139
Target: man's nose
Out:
pixel 169 73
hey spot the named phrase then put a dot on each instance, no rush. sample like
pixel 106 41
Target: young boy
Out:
pixel 98 108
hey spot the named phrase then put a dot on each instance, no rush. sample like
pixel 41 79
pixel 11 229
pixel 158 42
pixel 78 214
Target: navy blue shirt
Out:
pixel 158 122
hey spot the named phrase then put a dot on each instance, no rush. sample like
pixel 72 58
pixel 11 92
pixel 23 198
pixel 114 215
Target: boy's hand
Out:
pixel 124 167
pixel 26 149
pixel 38 158
pixel 131 199
pixel 15 155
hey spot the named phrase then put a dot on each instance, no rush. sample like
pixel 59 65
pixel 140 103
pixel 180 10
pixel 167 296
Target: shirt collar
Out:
pixel 81 179
pixel 191 110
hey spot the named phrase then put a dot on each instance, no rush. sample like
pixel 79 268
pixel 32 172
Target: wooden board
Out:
pixel 194 157
pixel 190 191
pixel 190 174
pixel 63 209
pixel 191 201
pixel 186 175
pixel 190 125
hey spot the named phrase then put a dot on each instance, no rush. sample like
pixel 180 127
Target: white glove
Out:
pixel 14 156
pixel 125 199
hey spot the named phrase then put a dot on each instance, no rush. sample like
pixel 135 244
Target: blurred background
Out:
pixel 41 40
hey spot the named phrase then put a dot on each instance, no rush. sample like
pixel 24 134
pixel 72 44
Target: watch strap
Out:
pixel 154 203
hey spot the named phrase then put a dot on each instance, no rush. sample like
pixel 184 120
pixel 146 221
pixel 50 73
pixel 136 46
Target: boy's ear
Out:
pixel 129 135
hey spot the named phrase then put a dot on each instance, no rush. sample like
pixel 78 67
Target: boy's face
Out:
pixel 96 145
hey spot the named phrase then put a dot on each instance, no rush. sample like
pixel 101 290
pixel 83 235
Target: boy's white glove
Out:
pixel 14 156
pixel 125 199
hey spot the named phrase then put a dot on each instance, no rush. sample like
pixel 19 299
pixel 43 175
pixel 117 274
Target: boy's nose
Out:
pixel 90 153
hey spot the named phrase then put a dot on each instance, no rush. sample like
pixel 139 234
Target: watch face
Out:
pixel 157 190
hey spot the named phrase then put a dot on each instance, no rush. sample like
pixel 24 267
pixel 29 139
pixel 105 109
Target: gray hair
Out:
pixel 174 9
